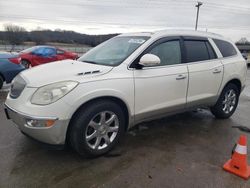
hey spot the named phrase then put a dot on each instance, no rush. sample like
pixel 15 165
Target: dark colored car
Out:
pixel 10 66
pixel 38 55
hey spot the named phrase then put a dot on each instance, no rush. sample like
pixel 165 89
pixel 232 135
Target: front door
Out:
pixel 44 55
pixel 163 88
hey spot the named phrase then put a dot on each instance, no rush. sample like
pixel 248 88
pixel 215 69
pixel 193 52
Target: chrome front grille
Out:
pixel 17 86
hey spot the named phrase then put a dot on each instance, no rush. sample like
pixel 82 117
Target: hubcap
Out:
pixel 229 101
pixel 102 130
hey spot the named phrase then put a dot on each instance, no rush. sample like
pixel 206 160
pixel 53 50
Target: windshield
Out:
pixel 114 51
pixel 28 50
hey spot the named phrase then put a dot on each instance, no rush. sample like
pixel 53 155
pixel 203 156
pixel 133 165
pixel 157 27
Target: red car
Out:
pixel 38 55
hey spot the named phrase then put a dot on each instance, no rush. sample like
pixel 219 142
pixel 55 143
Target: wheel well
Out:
pixel 236 82
pixel 26 60
pixel 114 99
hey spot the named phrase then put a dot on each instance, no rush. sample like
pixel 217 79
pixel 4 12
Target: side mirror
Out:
pixel 149 60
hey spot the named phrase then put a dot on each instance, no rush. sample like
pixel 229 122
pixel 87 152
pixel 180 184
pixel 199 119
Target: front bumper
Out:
pixel 54 135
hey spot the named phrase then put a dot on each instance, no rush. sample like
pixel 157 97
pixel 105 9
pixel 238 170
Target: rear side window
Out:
pixel 226 48
pixel 196 51
pixel 211 52
pixel 58 51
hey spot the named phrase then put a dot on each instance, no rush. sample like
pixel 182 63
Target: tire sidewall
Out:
pixel 83 118
pixel 218 108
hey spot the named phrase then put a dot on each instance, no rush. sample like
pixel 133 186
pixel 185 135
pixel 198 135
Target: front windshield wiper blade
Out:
pixel 92 62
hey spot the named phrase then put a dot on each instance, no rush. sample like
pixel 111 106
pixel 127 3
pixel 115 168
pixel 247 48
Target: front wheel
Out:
pixel 97 128
pixel 227 102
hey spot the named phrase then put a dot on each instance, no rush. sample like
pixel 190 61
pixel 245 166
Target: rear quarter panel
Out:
pixel 234 68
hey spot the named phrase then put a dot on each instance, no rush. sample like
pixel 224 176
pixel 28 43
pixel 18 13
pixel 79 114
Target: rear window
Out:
pixel 226 48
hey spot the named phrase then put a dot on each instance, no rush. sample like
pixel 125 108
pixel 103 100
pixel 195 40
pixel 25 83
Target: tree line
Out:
pixel 16 35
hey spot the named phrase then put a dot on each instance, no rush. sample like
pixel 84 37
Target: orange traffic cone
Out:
pixel 238 163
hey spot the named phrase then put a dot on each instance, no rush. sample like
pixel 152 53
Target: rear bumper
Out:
pixel 54 135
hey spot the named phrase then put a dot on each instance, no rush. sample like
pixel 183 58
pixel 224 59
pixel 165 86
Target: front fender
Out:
pixel 122 89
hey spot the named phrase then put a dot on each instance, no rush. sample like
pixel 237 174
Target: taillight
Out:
pixel 16 60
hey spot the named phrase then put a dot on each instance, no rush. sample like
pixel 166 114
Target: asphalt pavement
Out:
pixel 184 150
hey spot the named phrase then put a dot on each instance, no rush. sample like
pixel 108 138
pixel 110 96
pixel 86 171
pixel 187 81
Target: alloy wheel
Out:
pixel 229 101
pixel 102 130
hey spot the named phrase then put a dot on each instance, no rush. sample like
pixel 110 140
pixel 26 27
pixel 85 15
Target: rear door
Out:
pixel 205 71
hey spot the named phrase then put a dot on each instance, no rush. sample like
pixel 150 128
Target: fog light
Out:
pixel 39 123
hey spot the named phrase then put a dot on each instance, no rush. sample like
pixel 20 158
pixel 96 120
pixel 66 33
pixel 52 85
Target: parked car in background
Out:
pixel 10 66
pixel 244 55
pixel 131 78
pixel 38 55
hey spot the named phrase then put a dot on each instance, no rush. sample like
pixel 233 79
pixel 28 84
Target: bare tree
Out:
pixel 243 40
pixel 14 34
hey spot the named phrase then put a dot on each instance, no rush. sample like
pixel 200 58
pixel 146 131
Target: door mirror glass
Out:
pixel 149 60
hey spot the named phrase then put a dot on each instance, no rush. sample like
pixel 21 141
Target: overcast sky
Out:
pixel 227 17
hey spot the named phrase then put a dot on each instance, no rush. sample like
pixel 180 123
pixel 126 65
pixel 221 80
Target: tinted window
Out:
pixel 196 51
pixel 225 48
pixel 49 52
pixel 168 52
pixel 39 51
pixel 211 52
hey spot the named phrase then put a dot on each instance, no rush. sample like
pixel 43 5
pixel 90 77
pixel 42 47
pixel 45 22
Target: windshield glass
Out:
pixel 114 51
pixel 29 49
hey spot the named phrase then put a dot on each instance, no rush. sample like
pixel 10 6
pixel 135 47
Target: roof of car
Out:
pixel 171 32
pixel 44 46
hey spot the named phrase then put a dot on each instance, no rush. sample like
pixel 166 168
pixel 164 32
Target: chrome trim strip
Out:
pixel 29 116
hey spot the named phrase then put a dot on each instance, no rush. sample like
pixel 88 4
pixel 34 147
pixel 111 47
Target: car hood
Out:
pixel 63 71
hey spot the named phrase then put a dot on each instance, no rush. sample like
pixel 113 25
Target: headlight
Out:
pixel 51 93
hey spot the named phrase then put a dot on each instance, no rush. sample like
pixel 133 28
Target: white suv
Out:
pixel 128 79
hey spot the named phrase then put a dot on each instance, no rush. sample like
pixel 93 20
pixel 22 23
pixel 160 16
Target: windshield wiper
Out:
pixel 92 62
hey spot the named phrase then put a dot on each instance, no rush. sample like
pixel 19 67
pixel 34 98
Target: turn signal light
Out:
pixel 39 123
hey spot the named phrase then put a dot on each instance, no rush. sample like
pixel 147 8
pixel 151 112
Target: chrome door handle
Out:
pixel 181 77
pixel 216 71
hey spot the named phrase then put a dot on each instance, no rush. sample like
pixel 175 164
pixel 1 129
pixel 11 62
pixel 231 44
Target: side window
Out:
pixel 39 51
pixel 196 51
pixel 49 52
pixel 211 52
pixel 169 52
pixel 58 51
pixel 226 48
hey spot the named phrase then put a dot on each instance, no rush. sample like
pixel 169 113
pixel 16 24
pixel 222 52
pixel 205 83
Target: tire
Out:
pixel 25 63
pixel 1 82
pixel 82 130
pixel 227 102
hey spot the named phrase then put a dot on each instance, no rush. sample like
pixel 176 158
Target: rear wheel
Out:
pixel 227 102
pixel 25 63
pixel 1 82
pixel 97 128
